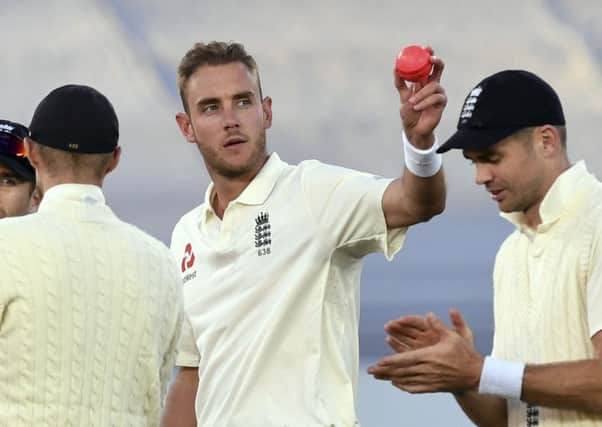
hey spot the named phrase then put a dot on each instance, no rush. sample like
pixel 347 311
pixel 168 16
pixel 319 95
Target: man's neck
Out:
pixel 532 215
pixel 227 189
pixel 45 183
pixel 224 191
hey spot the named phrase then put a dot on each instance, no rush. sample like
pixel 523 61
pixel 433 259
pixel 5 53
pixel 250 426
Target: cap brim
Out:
pixel 19 167
pixel 475 139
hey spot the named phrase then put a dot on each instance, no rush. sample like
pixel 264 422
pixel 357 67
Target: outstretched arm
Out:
pixel 411 198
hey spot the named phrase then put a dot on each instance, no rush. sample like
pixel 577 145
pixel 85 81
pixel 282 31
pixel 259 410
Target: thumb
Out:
pixel 460 324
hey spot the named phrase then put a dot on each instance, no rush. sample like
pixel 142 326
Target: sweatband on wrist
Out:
pixel 502 378
pixel 422 163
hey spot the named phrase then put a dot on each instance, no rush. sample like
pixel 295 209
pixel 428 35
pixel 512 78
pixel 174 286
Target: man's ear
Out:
pixel 31 152
pixel 35 199
pixel 115 160
pixel 266 104
pixel 185 125
pixel 549 140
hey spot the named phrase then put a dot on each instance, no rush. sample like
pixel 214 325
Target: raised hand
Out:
pixel 422 105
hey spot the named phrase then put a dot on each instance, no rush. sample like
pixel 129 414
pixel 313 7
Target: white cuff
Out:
pixel 502 378
pixel 422 163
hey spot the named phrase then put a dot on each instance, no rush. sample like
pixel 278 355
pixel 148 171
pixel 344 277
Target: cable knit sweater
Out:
pixel 548 287
pixel 90 309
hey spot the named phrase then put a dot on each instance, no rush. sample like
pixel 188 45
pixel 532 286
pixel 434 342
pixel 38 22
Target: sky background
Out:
pixel 328 67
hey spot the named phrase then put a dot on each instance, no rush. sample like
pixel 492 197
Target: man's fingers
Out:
pixel 402 86
pixel 400 331
pixel 396 372
pixel 438 66
pixel 398 345
pixel 416 322
pixel 405 359
pixel 413 331
pixel 413 387
pixel 436 323
pixel 436 100
pixel 427 91
pixel 460 324
pixel 457 319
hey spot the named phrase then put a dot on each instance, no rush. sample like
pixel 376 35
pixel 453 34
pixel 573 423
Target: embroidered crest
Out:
pixel 263 234
pixel 532 416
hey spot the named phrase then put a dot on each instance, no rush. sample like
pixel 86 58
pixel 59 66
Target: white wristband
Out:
pixel 502 378
pixel 422 163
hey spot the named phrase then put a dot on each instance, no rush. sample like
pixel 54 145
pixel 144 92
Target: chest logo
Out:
pixel 188 260
pixel 263 234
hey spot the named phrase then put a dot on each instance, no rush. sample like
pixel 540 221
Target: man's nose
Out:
pixel 230 119
pixel 483 175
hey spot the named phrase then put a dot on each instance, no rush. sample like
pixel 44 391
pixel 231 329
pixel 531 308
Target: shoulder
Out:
pixel 314 165
pixel 23 238
pixel 21 226
pixel 508 246
pixel 144 238
pixel 315 169
pixel 589 213
pixel 144 246
pixel 188 222
pixel 190 217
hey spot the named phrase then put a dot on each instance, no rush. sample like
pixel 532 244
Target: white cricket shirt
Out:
pixel 272 295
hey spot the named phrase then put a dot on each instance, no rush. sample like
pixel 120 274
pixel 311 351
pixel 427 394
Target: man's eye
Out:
pixel 243 102
pixel 8 182
pixel 210 108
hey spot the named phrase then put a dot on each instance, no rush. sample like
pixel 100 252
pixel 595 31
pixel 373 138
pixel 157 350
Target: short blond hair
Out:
pixel 212 53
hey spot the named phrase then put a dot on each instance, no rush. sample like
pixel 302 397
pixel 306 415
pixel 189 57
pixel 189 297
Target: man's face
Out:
pixel 511 172
pixel 227 119
pixel 15 193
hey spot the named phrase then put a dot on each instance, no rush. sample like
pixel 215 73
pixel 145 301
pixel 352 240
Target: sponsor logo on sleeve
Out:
pixel 188 263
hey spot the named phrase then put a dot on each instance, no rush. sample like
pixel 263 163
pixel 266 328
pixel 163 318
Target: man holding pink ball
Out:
pixel 271 260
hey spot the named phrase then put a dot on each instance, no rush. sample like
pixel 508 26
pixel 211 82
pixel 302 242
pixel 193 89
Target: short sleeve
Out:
pixel 347 206
pixel 188 353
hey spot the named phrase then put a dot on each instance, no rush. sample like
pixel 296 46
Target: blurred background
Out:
pixel 328 67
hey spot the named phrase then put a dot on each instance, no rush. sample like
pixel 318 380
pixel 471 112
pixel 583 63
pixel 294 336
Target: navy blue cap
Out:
pixel 501 105
pixel 76 118
pixel 11 149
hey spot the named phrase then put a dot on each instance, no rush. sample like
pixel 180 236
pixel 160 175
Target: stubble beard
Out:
pixel 217 164
pixel 520 202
